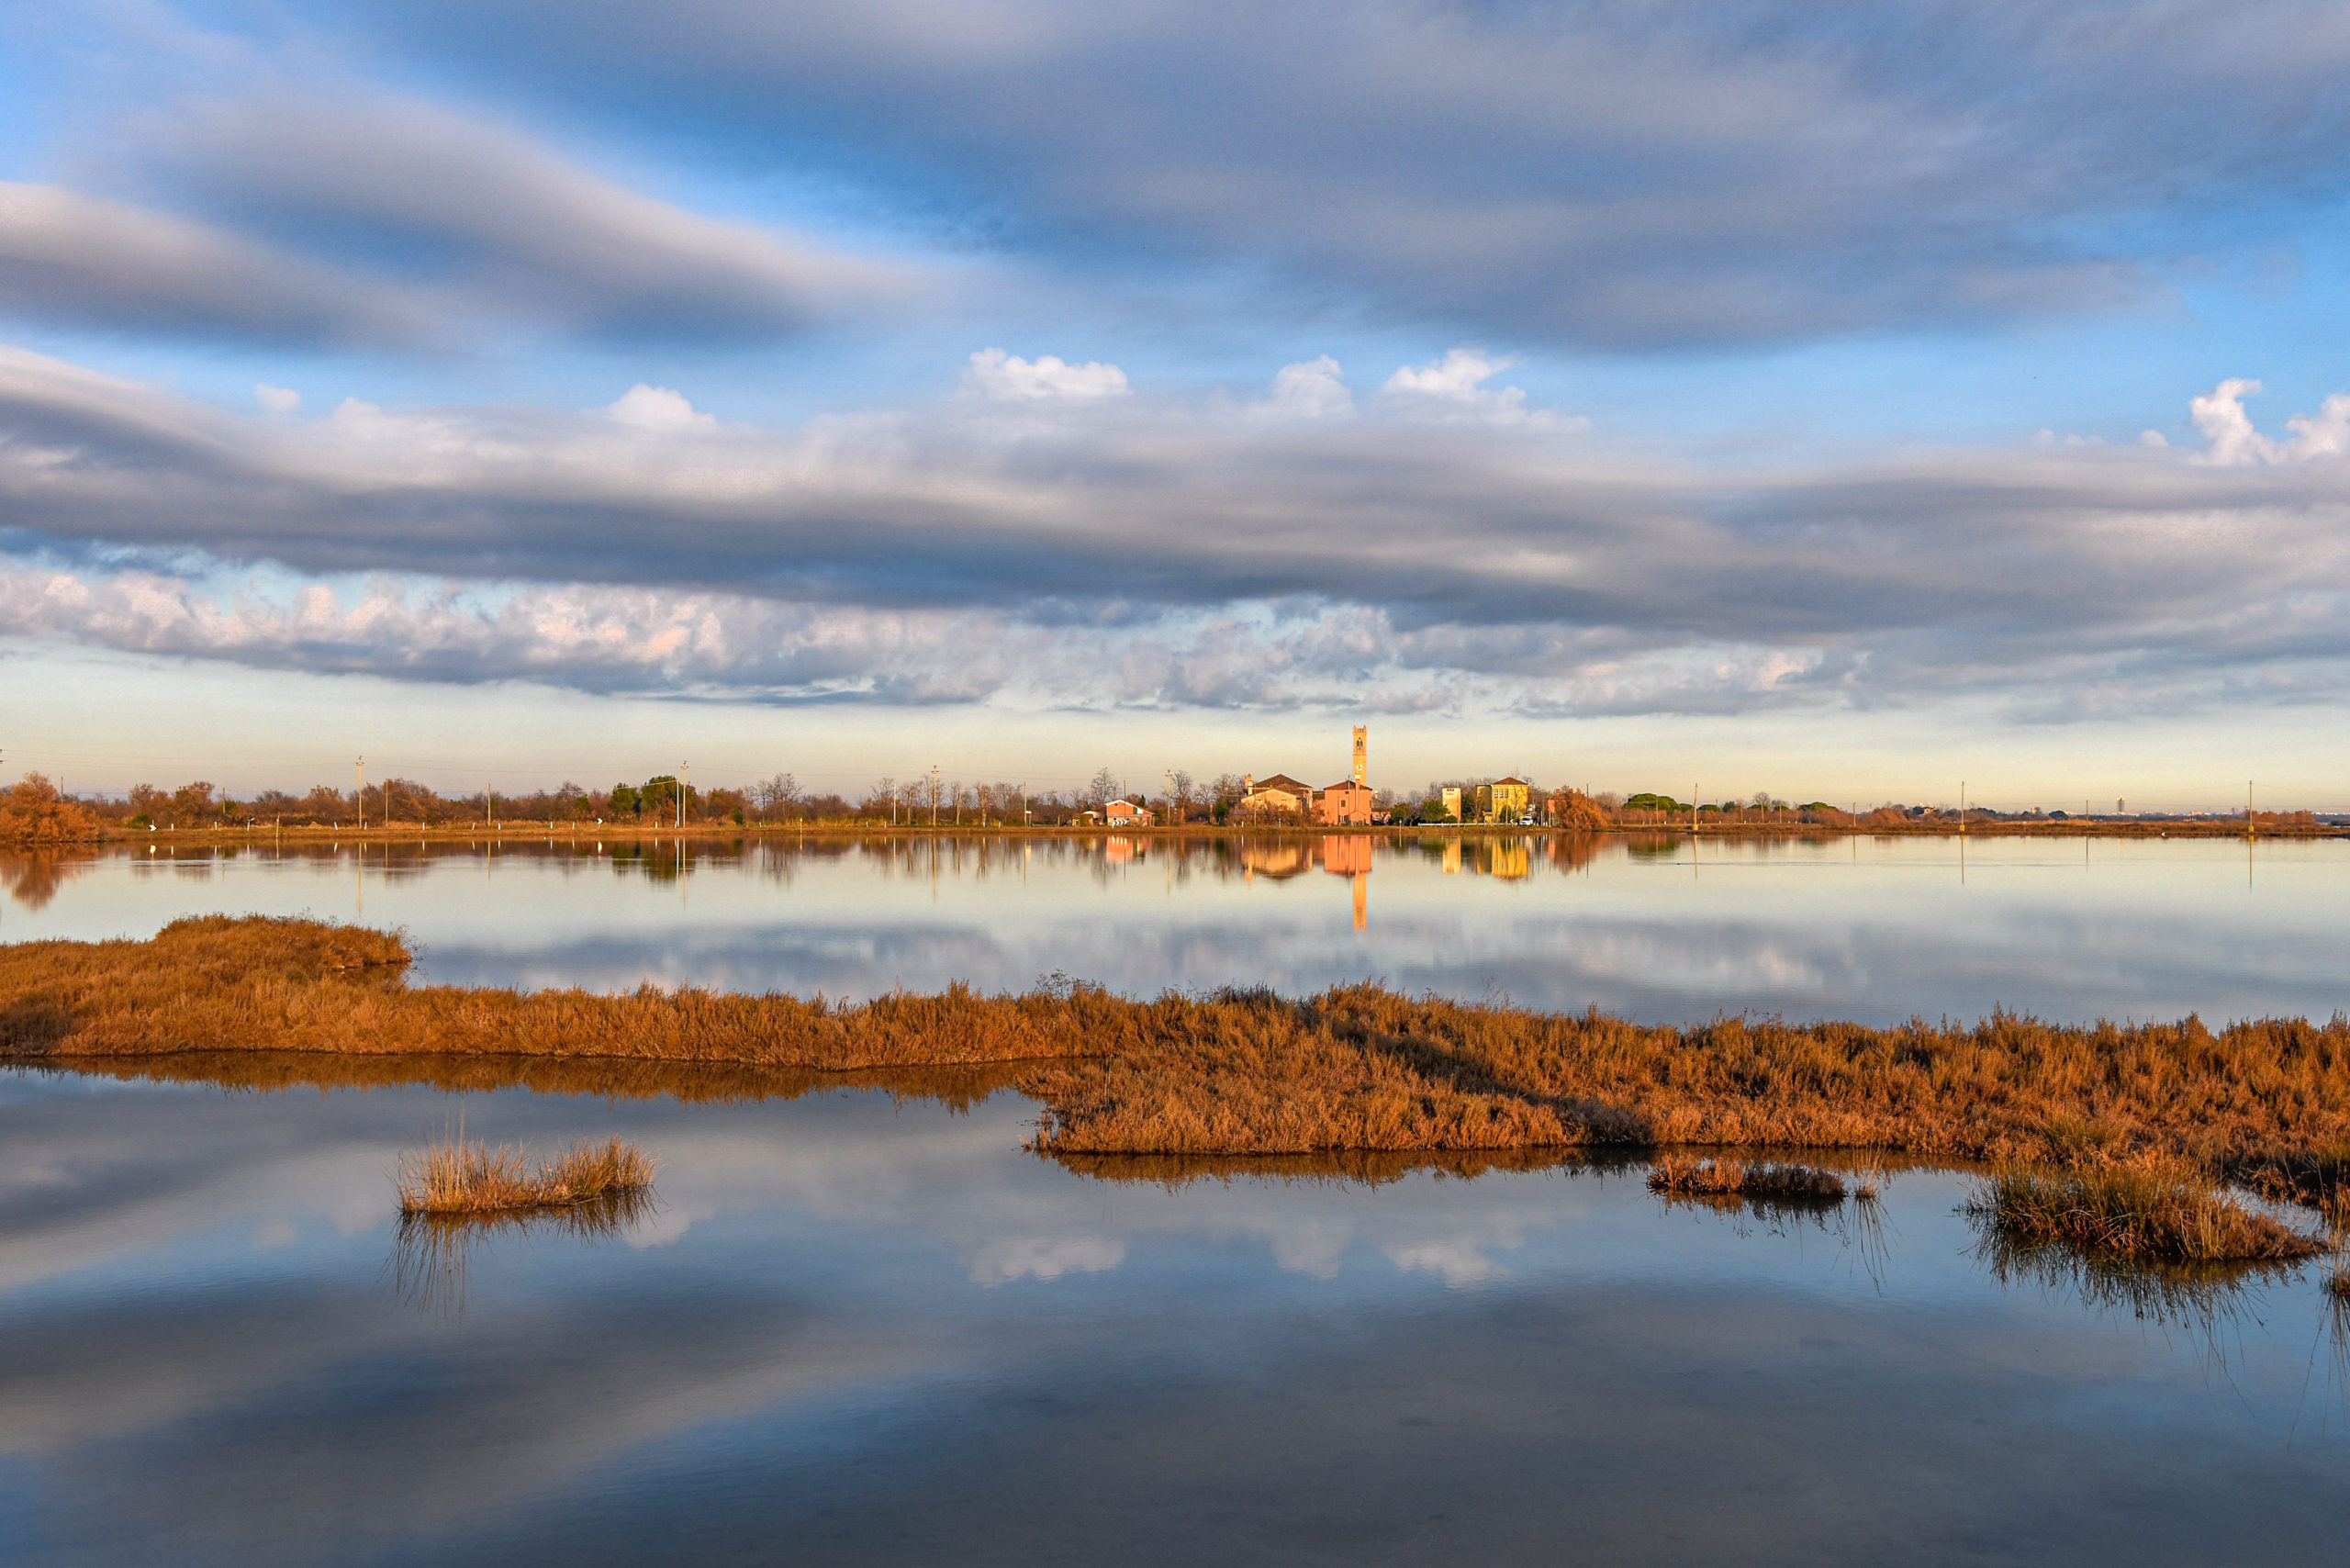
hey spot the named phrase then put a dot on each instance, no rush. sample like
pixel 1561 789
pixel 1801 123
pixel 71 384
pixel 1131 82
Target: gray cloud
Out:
pixel 400 185
pixel 70 256
pixel 1140 550
pixel 1596 173
pixel 379 220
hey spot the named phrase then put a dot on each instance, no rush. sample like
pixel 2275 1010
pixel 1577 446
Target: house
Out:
pixel 1346 804
pixel 1126 814
pixel 1278 796
pixel 1452 801
pixel 1503 801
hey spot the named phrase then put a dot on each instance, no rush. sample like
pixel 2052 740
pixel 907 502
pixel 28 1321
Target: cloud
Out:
pixel 1618 177
pixel 1312 389
pixel 2230 437
pixel 276 400
pixel 372 218
pixel 995 373
pixel 76 258
pixel 1148 550
pixel 656 407
pixel 1454 387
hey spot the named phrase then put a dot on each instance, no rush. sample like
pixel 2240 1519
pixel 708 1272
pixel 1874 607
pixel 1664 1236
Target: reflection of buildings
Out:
pixel 1278 859
pixel 1350 857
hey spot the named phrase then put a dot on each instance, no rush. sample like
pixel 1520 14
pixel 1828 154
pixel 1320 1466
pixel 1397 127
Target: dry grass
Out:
pixel 1247 1073
pixel 1681 1176
pixel 456 1177
pixel 2134 1216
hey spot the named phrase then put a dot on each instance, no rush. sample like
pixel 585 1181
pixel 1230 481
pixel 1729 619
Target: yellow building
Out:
pixel 1503 801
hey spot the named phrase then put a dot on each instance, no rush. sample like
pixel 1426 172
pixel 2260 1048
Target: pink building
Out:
pixel 1346 804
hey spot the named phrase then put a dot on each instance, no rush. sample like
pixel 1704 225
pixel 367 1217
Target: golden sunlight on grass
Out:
pixel 459 1178
pixel 2141 1215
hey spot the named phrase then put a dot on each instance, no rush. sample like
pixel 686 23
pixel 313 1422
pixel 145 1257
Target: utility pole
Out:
pixel 359 792
pixel 2247 809
pixel 1962 808
pixel 933 794
pixel 684 782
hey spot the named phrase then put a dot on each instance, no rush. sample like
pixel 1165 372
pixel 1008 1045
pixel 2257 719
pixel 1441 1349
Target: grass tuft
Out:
pixel 2132 1215
pixel 454 1177
pixel 1682 1176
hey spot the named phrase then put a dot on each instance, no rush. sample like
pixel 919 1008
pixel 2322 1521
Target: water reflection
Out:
pixel 862 1329
pixel 430 1250
pixel 1877 930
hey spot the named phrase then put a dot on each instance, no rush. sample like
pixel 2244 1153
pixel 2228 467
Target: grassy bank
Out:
pixel 1253 1075
pixel 2134 1216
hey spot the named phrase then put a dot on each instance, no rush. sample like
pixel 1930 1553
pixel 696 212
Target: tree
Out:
pixel 194 802
pixel 773 794
pixel 1102 790
pixel 34 812
pixel 626 801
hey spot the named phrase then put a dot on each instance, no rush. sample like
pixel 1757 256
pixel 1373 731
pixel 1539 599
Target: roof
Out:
pixel 1346 783
pixel 1285 784
pixel 1502 783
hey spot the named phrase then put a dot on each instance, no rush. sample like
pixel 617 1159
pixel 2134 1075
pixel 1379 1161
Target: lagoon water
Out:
pixel 1879 930
pixel 862 1326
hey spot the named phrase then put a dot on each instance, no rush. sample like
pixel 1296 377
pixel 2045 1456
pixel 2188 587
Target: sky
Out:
pixel 1857 402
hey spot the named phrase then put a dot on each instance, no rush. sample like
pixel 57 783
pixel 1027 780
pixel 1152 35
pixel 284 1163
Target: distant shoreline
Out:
pixel 568 832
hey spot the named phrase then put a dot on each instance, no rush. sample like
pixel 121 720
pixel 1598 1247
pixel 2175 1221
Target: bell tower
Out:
pixel 1362 754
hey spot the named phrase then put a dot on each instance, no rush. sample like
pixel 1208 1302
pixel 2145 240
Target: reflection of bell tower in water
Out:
pixel 1362 877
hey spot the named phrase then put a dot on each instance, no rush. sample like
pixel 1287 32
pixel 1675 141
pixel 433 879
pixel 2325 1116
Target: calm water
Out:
pixel 1880 930
pixel 865 1328
pixel 865 1331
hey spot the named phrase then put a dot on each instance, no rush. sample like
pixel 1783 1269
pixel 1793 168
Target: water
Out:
pixel 861 1329
pixel 1879 930
pixel 863 1325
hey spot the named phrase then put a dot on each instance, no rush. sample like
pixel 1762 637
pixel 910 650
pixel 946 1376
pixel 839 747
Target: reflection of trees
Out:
pixel 33 879
pixel 431 1251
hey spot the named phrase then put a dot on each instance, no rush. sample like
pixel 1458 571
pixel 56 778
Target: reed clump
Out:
pixel 456 1177
pixel 2135 1215
pixel 1252 1074
pixel 1682 1176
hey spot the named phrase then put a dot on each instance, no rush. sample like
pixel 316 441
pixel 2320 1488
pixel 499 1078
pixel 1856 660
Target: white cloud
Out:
pixel 657 407
pixel 2231 438
pixel 1311 389
pixel 1454 387
pixel 996 374
pixel 276 400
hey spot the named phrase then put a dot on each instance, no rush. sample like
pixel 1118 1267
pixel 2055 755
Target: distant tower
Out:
pixel 1362 754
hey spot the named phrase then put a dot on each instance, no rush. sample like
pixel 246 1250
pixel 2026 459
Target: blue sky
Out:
pixel 1837 401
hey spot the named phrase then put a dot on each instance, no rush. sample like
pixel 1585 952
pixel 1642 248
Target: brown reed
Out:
pixel 1248 1073
pixel 454 1177
pixel 2134 1214
pixel 1682 1176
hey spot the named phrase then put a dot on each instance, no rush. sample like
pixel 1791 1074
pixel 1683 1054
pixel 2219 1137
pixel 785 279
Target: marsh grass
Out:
pixel 1683 1176
pixel 2130 1215
pixel 1248 1073
pixel 458 1177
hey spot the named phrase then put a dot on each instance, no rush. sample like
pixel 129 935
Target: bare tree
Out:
pixel 1102 790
